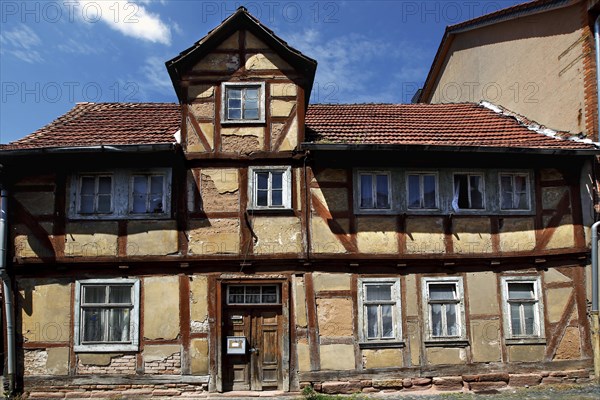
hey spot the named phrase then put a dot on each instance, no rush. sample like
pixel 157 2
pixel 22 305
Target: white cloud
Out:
pixel 73 46
pixel 356 68
pixel 127 17
pixel 156 76
pixel 21 42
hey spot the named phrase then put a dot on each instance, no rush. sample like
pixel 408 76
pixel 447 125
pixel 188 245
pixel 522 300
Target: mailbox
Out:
pixel 236 345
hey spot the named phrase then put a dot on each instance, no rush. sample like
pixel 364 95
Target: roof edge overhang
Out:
pixel 479 22
pixel 241 19
pixel 105 148
pixel 450 149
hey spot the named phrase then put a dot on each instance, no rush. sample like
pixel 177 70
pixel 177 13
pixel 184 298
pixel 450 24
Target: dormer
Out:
pixel 243 90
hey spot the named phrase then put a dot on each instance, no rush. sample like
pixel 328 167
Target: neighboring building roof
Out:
pixel 95 124
pixel 464 125
pixel 448 125
pixel 239 20
pixel 509 13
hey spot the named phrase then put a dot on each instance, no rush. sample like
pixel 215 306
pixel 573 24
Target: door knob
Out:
pixel 253 350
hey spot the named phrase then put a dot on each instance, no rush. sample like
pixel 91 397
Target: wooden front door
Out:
pixel 259 368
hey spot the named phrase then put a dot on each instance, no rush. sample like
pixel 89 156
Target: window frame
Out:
pixel 512 174
pixel 358 191
pixel 421 173
pixel 539 336
pixel 261 102
pixel 122 192
pixel 277 293
pixel 148 177
pixel 396 301
pixel 286 183
pixel 480 173
pixel 459 340
pixel 96 177
pixel 79 346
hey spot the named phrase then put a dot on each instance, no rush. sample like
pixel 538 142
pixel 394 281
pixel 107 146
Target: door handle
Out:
pixel 253 350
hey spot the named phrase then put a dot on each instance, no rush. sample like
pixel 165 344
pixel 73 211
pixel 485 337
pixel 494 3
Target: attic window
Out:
pixel 243 102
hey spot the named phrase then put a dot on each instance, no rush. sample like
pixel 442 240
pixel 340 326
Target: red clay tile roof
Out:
pixel 464 124
pixel 94 124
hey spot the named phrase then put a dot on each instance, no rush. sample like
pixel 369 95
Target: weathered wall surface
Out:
pixel 502 64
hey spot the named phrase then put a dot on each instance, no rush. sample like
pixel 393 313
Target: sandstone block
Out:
pixel 448 383
pixel 341 387
pixel 485 386
pixel 525 380
pixel 388 383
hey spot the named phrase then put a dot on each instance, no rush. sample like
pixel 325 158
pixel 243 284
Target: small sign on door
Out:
pixel 236 345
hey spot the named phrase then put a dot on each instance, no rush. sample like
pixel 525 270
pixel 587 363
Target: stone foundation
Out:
pixel 475 383
pixel 119 391
pixel 170 365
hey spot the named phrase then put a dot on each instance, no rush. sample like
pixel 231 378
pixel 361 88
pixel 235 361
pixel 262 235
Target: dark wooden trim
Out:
pixel 184 117
pixel 448 229
pixel 33 188
pixel 300 111
pixel 469 339
pixel 331 294
pixel 199 335
pixel 577 213
pixel 23 216
pixel 539 219
pixel 72 355
pixel 283 156
pixel 444 370
pixel 246 239
pixel 401 233
pixel 142 318
pixel 557 330
pixel 214 318
pixel 345 240
pixel 406 355
pixel 199 132
pixel 122 238
pixel 579 281
pixel 495 233
pixel 217 132
pixel 311 314
pixel 338 340
pixel 561 209
pixel 286 129
pixel 356 329
pixel 328 185
pixel 44 345
pixel 184 322
pixel 60 204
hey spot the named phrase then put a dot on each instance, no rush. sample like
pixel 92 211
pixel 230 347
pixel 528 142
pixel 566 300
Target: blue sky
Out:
pixel 56 53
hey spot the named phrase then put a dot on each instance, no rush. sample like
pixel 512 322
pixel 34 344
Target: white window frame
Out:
pixel 122 194
pixel 96 194
pixel 286 187
pixel 358 192
pixel 133 322
pixel 148 177
pixel 459 339
pixel 396 314
pixel 527 189
pixel 539 334
pixel 261 102
pixel 278 294
pixel 481 174
pixel 421 174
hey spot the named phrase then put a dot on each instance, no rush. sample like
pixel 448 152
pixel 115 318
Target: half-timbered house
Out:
pixel 246 240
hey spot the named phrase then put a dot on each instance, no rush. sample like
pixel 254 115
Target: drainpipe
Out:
pixel 7 292
pixel 595 277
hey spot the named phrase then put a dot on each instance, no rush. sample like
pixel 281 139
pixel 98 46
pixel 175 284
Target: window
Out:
pixel 514 191
pixel 270 187
pixel 120 194
pixel 444 309
pixel 95 194
pixel 147 194
pixel 468 192
pixel 522 307
pixel 253 294
pixel 106 315
pixel 243 102
pixel 422 191
pixel 374 189
pixel 379 305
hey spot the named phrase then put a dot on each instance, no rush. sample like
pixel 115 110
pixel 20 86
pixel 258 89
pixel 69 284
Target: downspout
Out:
pixel 594 312
pixel 7 292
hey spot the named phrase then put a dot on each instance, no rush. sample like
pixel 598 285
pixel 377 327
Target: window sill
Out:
pixel 243 122
pixel 382 345
pixel 524 341
pixel 105 348
pixel 447 343
pixel 271 211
